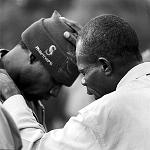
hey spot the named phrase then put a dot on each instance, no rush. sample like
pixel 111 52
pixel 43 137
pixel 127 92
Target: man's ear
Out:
pixel 106 65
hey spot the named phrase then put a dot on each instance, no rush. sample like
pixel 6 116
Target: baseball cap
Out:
pixel 45 40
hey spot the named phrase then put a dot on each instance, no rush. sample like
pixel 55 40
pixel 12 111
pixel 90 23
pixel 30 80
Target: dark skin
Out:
pixel 7 86
pixel 102 76
pixel 30 76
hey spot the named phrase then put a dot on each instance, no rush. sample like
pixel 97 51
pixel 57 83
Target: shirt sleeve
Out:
pixel 8 131
pixel 74 136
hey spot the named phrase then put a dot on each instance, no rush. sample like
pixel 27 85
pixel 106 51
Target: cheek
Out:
pixel 45 81
pixel 43 77
pixel 96 80
pixel 35 76
pixel 92 79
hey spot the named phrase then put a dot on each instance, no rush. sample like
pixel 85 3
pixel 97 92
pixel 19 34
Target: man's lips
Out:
pixel 92 92
pixel 89 93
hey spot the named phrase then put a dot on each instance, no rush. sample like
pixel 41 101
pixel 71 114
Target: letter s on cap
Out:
pixel 51 49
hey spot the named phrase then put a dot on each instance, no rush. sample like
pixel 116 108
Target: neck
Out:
pixel 122 71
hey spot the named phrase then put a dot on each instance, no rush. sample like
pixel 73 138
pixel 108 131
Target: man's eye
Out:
pixel 83 73
pixel 32 58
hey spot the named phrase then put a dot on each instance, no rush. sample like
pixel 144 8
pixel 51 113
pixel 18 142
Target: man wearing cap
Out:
pixel 108 56
pixel 44 39
pixel 39 65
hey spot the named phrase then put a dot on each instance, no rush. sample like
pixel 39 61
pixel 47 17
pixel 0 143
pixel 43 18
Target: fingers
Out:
pixel 74 25
pixel 7 86
pixel 70 37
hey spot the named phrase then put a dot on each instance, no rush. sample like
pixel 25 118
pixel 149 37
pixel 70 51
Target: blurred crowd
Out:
pixel 17 15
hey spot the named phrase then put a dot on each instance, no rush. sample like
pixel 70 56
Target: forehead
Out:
pixel 81 61
pixel 79 47
pixel 84 60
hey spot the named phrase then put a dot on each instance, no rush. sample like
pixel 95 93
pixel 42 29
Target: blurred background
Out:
pixel 17 15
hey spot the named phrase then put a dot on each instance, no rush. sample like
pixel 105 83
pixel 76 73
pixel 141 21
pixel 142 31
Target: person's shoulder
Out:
pixel 107 103
pixel 109 107
pixel 96 113
pixel 103 104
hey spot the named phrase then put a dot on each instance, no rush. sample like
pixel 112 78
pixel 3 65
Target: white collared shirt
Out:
pixel 117 121
pixel 10 137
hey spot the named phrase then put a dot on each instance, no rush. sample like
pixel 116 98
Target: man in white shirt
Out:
pixel 10 137
pixel 108 56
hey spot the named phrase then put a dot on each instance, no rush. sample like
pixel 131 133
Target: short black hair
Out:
pixel 110 36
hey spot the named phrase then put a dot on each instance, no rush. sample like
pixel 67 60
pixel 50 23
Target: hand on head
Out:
pixel 7 85
pixel 72 37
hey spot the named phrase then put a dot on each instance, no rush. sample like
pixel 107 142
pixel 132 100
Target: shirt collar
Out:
pixel 136 72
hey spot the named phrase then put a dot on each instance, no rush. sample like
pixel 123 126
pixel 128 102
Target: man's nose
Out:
pixel 55 90
pixel 83 82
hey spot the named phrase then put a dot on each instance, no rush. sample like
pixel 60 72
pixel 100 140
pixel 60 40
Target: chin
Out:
pixel 97 97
